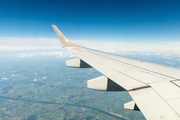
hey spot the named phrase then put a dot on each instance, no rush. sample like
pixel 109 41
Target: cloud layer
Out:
pixel 10 44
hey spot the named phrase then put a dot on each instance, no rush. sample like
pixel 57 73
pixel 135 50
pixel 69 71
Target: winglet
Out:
pixel 64 41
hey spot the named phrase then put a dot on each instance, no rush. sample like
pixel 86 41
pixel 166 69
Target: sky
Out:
pixel 126 22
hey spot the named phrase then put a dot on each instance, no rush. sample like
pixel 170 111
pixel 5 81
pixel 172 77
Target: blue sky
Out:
pixel 95 20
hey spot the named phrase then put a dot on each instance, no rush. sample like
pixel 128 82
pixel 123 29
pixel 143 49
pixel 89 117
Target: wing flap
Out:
pixel 169 92
pixel 174 103
pixel 152 105
pixel 166 89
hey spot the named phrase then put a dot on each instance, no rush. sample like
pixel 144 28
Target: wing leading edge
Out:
pixel 154 88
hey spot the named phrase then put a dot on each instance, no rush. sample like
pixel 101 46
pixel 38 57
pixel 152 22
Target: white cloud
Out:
pixel 29 41
pixel 54 44
pixel 13 75
pixel 127 46
pixel 4 78
pixel 174 43
pixel 44 77
pixel 67 54
pixel 26 47
pixel 9 44
pixel 59 54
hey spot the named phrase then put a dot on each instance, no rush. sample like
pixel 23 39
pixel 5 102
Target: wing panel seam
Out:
pixel 133 65
pixel 165 101
pixel 115 70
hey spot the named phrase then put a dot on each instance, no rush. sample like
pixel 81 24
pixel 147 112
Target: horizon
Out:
pixel 142 23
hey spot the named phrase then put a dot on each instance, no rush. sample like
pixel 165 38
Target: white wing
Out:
pixel 154 88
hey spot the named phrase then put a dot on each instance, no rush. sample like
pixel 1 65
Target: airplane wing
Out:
pixel 154 88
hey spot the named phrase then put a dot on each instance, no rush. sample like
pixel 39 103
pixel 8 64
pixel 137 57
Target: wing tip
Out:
pixel 54 26
pixel 64 41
